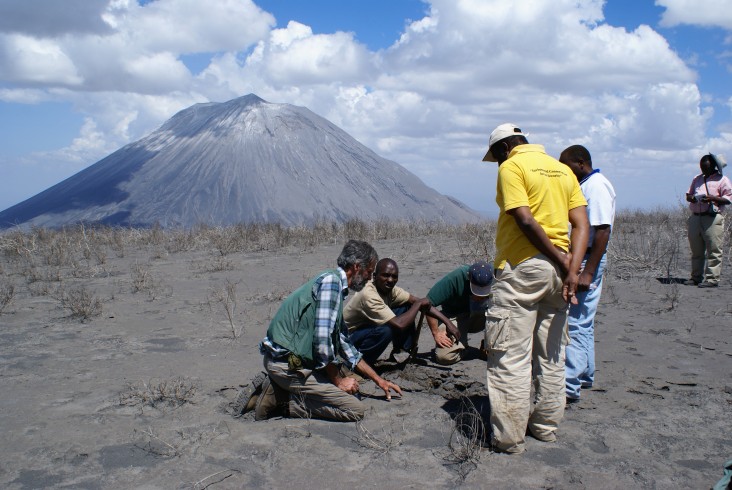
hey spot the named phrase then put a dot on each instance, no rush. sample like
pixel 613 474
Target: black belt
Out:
pixel 706 213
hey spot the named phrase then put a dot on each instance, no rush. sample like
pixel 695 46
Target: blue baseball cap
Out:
pixel 481 278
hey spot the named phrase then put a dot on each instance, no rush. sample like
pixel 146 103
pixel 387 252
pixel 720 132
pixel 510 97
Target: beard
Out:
pixel 358 282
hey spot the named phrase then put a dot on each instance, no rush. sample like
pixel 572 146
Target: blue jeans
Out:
pixel 372 340
pixel 580 353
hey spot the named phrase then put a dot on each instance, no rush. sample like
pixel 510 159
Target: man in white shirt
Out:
pixel 600 196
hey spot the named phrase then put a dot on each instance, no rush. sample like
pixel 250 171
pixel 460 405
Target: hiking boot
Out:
pixel 708 285
pixel 272 402
pixel 690 282
pixel 247 397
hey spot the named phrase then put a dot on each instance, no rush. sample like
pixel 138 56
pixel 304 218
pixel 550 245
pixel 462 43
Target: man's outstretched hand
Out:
pixel 387 386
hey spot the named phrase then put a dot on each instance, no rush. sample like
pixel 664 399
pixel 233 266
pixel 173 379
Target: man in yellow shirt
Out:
pixel 536 277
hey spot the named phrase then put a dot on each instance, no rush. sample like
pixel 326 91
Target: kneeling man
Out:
pixel 305 344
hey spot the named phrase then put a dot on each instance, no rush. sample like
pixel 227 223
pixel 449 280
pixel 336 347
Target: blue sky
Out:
pixel 646 85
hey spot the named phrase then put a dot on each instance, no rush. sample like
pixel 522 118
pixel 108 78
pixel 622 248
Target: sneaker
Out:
pixel 690 282
pixel 272 402
pixel 708 285
pixel 247 397
pixel 572 401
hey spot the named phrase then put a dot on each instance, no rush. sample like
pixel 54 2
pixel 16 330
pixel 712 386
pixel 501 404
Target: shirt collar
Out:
pixel 526 148
pixel 586 177
pixel 344 281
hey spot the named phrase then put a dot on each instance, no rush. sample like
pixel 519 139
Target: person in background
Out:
pixel 709 194
pixel 600 196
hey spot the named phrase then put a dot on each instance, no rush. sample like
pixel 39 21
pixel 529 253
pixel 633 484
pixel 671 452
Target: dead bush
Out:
pixel 381 442
pixel 172 392
pixel 467 438
pixel 80 302
pixel 7 293
pixel 226 296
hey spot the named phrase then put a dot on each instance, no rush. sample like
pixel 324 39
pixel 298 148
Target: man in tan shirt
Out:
pixel 383 313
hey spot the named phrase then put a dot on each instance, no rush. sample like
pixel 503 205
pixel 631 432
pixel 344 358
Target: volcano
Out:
pixel 241 161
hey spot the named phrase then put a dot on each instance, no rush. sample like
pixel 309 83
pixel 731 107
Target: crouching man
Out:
pixel 383 313
pixel 305 343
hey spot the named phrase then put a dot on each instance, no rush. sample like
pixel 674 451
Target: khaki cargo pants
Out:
pixel 526 334
pixel 312 395
pixel 466 323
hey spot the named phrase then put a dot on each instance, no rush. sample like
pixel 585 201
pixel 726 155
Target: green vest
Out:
pixel 293 326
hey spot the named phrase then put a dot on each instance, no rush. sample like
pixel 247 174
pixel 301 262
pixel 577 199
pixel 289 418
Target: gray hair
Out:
pixel 357 252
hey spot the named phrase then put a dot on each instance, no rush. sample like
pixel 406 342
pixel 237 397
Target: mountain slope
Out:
pixel 245 160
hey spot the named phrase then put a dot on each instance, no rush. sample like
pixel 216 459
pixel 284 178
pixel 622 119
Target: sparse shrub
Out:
pixel 355 229
pixel 380 443
pixel 647 242
pixel 172 392
pixel 82 304
pixel 141 278
pixel 218 264
pixel 226 296
pixel 7 293
pixel 467 438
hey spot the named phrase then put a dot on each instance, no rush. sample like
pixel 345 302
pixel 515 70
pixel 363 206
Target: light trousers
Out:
pixel 526 334
pixel 580 353
pixel 312 395
pixel 706 235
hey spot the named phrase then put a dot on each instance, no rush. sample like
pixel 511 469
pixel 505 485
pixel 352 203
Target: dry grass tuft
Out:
pixel 382 443
pixel 226 296
pixel 172 392
pixel 7 293
pixel 467 438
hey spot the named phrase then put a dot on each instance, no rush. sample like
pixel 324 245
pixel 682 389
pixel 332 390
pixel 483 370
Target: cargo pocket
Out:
pixel 497 321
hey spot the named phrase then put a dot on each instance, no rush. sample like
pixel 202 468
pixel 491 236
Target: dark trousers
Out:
pixel 372 340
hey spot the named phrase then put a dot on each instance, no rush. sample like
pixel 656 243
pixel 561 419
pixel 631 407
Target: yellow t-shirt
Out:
pixel 532 178
pixel 368 307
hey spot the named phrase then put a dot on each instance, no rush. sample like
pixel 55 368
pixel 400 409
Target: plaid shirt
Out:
pixel 329 291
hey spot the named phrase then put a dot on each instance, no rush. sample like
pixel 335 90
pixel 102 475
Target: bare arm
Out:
pixel 441 338
pixel 578 244
pixel 599 246
pixel 451 329
pixel 363 368
pixel 407 318
pixel 350 385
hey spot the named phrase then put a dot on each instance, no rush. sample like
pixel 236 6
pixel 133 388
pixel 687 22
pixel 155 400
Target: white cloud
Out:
pixel 427 102
pixel 26 59
pixel 193 26
pixel 140 49
pixel 295 55
pixel 710 13
pixel 50 18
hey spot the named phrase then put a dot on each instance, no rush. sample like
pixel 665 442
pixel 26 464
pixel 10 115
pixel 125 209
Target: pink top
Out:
pixel 718 185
